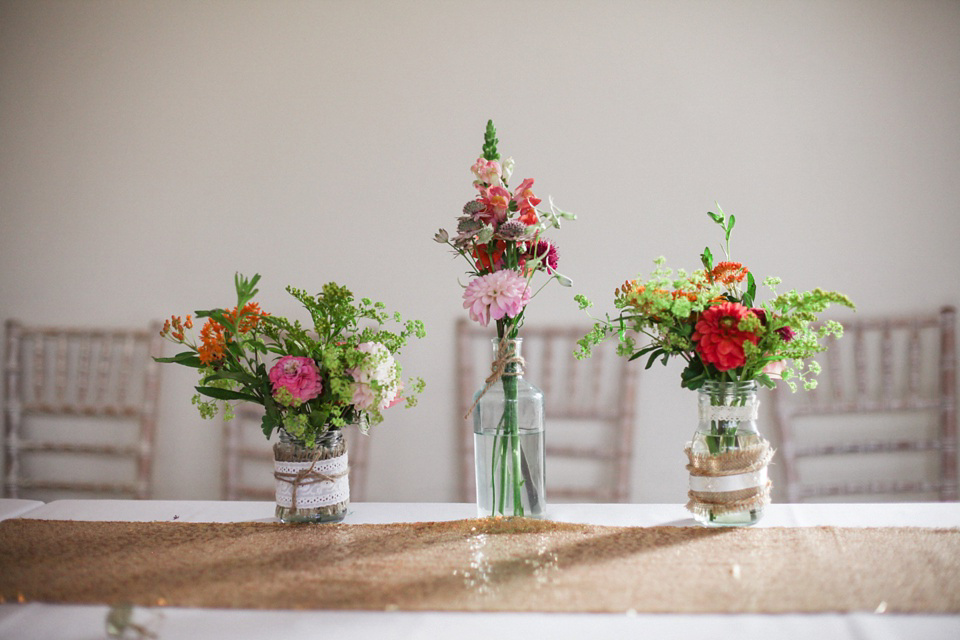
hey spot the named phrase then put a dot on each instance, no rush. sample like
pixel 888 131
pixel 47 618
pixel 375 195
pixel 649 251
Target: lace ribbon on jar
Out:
pixel 313 483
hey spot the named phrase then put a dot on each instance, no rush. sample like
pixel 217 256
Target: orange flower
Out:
pixel 249 317
pixel 213 343
pixel 174 328
pixel 728 272
pixel 630 286
pixel 214 337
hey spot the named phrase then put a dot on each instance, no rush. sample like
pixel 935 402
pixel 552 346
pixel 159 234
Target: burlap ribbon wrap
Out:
pixel 730 481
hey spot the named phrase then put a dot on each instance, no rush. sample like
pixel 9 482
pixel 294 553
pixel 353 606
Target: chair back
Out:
pixel 80 410
pixel 883 418
pixel 589 408
pixel 247 468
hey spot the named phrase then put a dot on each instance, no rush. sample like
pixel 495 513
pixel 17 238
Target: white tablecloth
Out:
pixel 11 508
pixel 67 621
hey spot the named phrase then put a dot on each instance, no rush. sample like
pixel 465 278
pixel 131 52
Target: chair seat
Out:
pixel 899 373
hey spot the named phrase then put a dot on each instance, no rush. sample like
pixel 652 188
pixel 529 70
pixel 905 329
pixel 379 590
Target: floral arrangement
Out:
pixel 501 235
pixel 340 371
pixel 710 319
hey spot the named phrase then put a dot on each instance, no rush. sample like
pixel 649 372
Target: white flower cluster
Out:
pixel 377 383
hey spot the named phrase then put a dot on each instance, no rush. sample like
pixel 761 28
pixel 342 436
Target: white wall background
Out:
pixel 148 150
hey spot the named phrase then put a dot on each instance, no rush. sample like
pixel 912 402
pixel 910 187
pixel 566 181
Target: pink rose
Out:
pixel 297 375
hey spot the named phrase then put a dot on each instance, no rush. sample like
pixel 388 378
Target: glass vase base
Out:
pixel 316 515
pixel 731 519
pixel 510 475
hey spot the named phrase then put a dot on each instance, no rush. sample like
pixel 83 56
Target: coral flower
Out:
pixel 719 340
pixel 496 295
pixel 727 273
pixel 496 201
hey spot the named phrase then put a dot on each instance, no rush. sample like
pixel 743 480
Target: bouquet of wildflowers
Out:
pixel 501 236
pixel 339 371
pixel 710 318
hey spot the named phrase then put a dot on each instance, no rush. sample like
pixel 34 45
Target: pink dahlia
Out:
pixel 297 375
pixel 495 295
pixel 719 340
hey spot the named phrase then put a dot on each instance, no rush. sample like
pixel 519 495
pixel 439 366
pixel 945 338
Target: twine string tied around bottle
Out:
pixel 506 355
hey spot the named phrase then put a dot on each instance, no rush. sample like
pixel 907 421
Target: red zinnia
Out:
pixel 719 341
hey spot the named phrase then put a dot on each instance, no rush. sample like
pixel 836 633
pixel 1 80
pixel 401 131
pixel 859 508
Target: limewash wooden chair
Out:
pixel 247 467
pixel 589 407
pixel 882 423
pixel 80 411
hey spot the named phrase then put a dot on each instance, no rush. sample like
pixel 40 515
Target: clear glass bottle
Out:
pixel 728 457
pixel 312 482
pixel 509 457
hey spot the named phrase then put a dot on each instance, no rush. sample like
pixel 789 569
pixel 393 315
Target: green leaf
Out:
pixel 239 376
pixel 717 217
pixel 751 293
pixel 187 358
pixel 653 358
pixel 226 394
pixel 707 259
pixel 641 352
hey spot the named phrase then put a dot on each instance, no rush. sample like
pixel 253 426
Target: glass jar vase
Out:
pixel 508 428
pixel 728 457
pixel 312 484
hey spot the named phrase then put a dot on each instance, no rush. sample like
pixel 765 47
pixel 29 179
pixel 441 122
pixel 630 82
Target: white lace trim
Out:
pixel 314 494
pixel 728 413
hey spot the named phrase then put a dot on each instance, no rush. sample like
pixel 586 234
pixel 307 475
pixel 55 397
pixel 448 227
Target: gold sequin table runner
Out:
pixel 481 565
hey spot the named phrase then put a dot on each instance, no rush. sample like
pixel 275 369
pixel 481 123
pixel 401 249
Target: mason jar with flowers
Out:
pixel 311 382
pixel 731 344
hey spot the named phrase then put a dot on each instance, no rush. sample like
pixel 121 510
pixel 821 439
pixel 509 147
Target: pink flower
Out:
pixel 497 203
pixel 495 295
pixel 775 369
pixel 299 376
pixel 719 340
pixel 487 171
pixel 526 202
pixel 546 250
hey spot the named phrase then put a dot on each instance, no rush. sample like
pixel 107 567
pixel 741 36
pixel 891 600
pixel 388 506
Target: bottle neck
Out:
pixel 509 352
